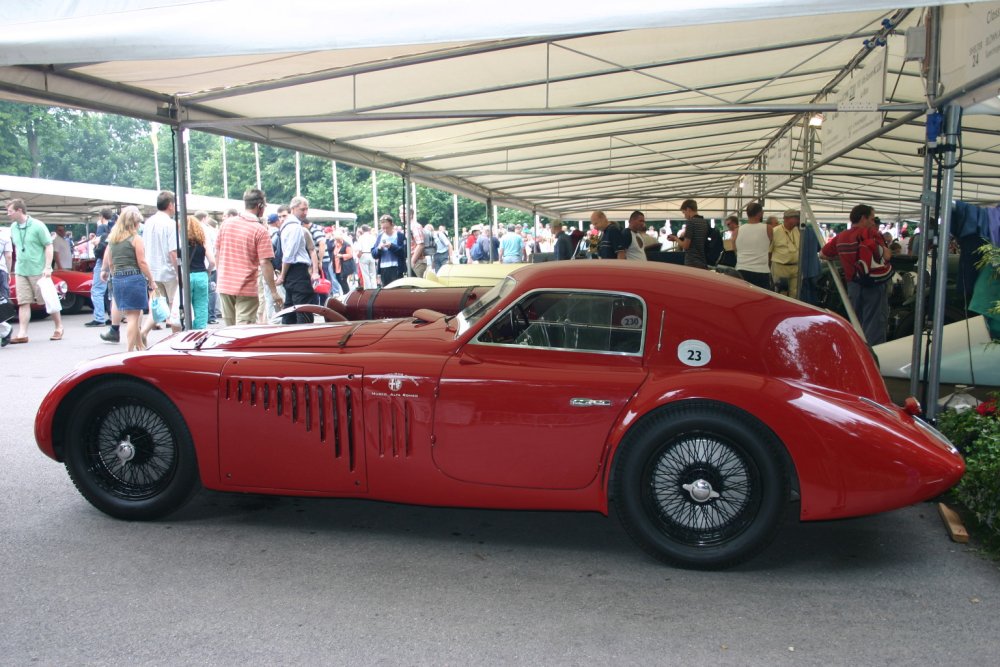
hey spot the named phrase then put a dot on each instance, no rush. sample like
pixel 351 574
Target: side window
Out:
pixel 584 321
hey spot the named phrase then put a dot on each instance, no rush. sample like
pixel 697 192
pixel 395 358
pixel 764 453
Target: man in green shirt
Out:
pixel 33 261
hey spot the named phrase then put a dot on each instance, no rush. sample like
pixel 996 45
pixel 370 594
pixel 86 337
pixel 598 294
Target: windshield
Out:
pixel 477 309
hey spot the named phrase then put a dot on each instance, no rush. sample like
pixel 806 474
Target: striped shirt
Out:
pixel 243 242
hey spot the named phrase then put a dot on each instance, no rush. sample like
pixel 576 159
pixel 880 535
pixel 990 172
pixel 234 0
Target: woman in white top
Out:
pixel 752 245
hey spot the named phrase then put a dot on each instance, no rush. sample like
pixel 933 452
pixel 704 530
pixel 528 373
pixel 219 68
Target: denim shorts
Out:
pixel 131 291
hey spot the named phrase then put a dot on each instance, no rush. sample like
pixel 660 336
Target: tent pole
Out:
pixel 225 169
pixel 454 214
pixel 926 210
pixel 952 132
pixel 153 129
pixel 298 175
pixel 405 221
pixel 336 188
pixel 256 162
pixel 374 202
pixel 183 258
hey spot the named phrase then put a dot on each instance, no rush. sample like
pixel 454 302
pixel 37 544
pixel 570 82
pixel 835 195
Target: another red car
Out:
pixel 697 405
pixel 37 309
pixel 78 284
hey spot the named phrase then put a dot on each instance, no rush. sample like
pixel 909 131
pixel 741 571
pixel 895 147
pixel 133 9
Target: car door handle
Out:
pixel 589 403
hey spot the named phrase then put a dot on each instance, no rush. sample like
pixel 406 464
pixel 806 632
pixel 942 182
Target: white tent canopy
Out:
pixel 554 107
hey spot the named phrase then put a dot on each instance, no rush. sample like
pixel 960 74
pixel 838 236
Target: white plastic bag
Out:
pixel 49 295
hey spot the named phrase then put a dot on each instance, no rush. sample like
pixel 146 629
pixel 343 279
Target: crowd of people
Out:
pixel 247 267
pixel 765 253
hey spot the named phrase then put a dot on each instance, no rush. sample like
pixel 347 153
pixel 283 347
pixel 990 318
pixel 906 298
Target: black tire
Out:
pixel 129 452
pixel 72 303
pixel 738 485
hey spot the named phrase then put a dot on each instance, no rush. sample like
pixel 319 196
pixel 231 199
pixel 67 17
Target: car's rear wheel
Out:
pixel 129 451
pixel 701 485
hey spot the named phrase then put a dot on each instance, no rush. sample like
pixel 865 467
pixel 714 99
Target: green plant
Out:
pixel 977 435
pixel 986 296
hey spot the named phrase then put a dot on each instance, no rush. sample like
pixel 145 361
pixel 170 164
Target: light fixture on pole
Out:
pixel 816 120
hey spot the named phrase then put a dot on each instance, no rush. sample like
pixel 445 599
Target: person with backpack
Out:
pixel 442 248
pixel 473 252
pixel 864 258
pixel 487 248
pixel 300 264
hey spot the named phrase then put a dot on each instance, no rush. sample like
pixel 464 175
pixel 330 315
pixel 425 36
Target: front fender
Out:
pixel 190 381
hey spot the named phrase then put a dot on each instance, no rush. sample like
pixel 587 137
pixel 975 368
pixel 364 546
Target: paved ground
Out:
pixel 250 580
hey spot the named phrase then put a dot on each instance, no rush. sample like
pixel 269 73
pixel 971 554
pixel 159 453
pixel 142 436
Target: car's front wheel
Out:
pixel 701 484
pixel 72 303
pixel 129 451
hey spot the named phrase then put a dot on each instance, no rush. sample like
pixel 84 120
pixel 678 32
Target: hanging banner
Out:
pixel 858 98
pixel 970 48
pixel 778 159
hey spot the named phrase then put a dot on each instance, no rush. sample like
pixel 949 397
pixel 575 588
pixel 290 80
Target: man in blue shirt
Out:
pixel 511 247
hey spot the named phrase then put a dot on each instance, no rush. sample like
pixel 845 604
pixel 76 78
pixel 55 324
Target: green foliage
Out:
pixel 989 255
pixel 977 434
pixel 88 147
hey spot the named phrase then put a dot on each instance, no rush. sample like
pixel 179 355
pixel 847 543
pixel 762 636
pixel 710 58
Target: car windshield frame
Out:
pixel 476 310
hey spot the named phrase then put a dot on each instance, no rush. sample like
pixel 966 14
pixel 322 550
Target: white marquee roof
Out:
pixel 557 107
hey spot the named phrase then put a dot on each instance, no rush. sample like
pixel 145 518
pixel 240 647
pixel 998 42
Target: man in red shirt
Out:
pixel 470 242
pixel 870 302
pixel 243 250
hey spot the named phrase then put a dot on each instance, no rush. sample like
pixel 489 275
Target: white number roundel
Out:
pixel 694 352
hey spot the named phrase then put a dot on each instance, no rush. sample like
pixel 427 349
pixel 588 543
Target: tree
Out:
pixel 89 147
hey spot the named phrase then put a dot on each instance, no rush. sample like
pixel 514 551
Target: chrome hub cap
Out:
pixel 125 450
pixel 700 490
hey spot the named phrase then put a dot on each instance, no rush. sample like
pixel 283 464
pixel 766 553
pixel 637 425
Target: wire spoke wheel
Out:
pixel 700 484
pixel 129 451
pixel 702 489
pixel 132 450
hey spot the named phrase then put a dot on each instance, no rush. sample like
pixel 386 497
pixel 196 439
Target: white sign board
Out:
pixel 970 47
pixel 778 159
pixel 857 98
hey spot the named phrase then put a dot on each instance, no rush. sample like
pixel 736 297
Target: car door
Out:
pixel 289 424
pixel 525 408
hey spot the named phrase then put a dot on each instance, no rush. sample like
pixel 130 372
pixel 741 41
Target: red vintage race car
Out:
pixel 698 406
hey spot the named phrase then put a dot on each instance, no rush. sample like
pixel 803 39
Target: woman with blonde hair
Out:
pixel 200 264
pixel 132 282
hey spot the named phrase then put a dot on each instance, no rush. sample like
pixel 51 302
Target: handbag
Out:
pixel 49 295
pixel 159 308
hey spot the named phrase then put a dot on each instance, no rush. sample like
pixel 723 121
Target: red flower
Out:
pixel 987 408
